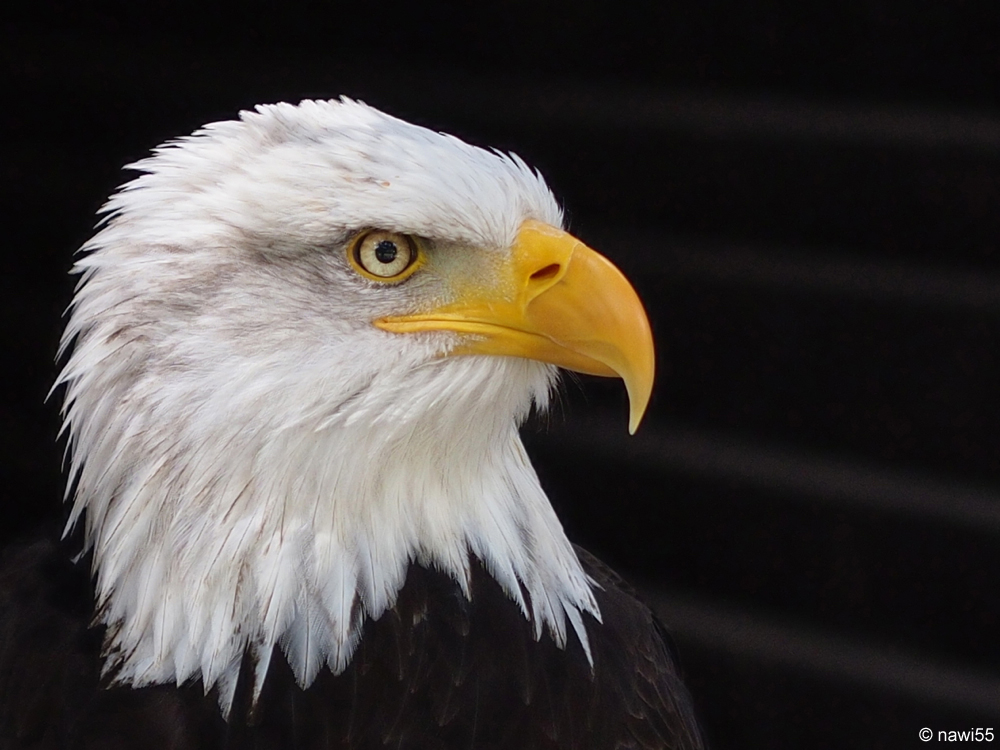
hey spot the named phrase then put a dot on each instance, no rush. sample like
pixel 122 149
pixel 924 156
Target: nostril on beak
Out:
pixel 545 273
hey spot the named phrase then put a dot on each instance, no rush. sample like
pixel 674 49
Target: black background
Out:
pixel 806 196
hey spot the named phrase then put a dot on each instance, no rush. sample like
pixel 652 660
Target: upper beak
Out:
pixel 556 301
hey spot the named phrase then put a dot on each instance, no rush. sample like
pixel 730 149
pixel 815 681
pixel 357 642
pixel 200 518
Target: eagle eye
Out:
pixel 384 256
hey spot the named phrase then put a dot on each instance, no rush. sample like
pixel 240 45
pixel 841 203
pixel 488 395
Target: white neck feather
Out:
pixel 291 526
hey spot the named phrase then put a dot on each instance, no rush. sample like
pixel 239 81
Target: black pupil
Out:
pixel 386 251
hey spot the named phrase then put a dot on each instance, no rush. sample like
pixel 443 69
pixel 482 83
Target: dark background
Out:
pixel 805 196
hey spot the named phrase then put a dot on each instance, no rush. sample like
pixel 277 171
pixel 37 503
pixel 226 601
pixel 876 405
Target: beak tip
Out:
pixel 639 386
pixel 637 409
pixel 634 419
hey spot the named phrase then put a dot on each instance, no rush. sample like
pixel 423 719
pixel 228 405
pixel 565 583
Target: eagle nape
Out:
pixel 296 362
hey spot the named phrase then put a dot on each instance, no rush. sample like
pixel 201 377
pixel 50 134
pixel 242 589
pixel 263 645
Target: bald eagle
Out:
pixel 297 358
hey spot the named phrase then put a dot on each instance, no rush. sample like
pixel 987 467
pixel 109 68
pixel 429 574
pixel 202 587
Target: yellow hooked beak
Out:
pixel 555 301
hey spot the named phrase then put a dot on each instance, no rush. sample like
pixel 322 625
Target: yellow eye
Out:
pixel 384 256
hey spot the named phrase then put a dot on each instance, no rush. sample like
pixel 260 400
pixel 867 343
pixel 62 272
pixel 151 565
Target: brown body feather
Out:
pixel 436 671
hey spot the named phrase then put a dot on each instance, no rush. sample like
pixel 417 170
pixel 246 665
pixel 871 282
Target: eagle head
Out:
pixel 299 352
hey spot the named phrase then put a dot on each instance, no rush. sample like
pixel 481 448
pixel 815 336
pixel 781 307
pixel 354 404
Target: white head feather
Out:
pixel 258 463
